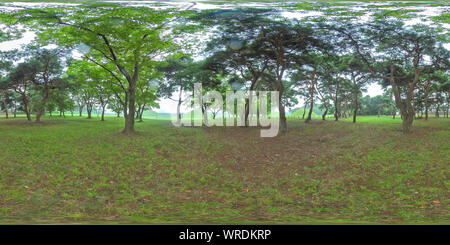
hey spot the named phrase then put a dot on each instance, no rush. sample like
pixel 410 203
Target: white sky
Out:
pixel 167 105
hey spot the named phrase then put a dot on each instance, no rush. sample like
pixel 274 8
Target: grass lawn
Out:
pixel 76 170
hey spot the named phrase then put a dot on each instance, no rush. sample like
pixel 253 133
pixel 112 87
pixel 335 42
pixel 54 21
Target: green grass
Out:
pixel 398 13
pixel 444 18
pixel 75 170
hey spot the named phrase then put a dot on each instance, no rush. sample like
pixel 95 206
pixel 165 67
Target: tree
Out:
pixel 91 84
pixel 145 98
pixel 359 76
pixel 115 105
pixel 20 80
pixel 237 51
pixel 48 71
pixel 284 42
pixel 122 41
pixel 399 58
pixel 51 106
pixel 179 73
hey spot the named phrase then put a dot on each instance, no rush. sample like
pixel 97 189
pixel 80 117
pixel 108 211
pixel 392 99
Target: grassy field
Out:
pixel 76 170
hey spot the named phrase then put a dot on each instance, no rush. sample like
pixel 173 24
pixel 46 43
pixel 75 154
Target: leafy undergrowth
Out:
pixel 76 170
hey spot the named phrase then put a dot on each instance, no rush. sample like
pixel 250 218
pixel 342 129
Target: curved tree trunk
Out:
pixel 325 113
pixel 42 108
pixel 406 108
pixel 25 106
pixel 336 104
pixel 138 111
pixel 311 95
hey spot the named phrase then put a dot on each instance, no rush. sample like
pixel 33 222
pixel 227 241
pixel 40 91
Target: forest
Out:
pixel 82 139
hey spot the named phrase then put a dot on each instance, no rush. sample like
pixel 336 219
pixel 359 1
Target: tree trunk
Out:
pixel 355 98
pixel 27 112
pixel 311 95
pixel 41 110
pixel 179 106
pixel 138 111
pixel 205 114
pixel 179 112
pixel 141 113
pixel 427 89
pixel 437 107
pixel 249 100
pixel 5 105
pixel 283 123
pixel 25 106
pixel 336 104
pixel 345 109
pixel 247 111
pixel 103 112
pixel 125 108
pixel 311 107
pixel 336 118
pixel 406 108
pixel 129 120
pixel 407 122
pixel 89 111
pixel 325 113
